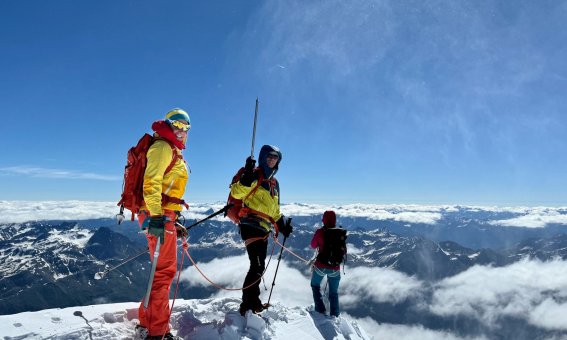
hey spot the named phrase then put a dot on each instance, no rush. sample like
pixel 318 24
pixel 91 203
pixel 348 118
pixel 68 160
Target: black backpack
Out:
pixel 334 246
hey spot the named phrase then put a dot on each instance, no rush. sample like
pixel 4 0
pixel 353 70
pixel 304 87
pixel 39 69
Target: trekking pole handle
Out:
pixel 254 129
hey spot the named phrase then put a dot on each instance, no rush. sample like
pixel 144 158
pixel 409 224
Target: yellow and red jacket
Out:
pixel 261 201
pixel 156 182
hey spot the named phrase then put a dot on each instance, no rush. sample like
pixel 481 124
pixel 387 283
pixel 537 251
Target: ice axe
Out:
pixel 253 140
pixel 254 129
pixel 152 273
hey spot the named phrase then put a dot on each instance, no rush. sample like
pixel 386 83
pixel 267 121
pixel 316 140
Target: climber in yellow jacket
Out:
pixel 164 184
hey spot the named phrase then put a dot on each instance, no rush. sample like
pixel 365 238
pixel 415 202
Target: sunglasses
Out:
pixel 274 156
pixel 180 125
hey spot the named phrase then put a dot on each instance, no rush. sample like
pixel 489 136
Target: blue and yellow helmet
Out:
pixel 177 114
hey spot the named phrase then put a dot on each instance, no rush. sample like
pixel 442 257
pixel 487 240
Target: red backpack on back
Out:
pixel 132 187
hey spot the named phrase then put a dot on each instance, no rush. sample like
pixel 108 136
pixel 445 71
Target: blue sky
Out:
pixel 427 102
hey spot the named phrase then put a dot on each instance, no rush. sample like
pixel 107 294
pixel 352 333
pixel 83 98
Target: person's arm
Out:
pixel 317 239
pixel 158 157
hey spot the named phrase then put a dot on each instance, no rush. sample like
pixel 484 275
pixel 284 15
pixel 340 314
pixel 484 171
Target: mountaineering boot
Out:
pixel 256 309
pixel 140 333
pixel 166 336
pixel 242 310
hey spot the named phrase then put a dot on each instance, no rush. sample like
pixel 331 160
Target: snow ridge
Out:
pixel 208 319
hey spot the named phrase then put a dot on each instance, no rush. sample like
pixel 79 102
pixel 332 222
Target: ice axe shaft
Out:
pixel 254 129
pixel 152 273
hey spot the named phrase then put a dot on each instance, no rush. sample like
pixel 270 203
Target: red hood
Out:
pixel 164 131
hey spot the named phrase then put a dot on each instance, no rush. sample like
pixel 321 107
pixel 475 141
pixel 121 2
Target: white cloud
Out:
pixel 325 32
pixel 534 218
pixel 293 287
pixel 549 314
pixel 55 173
pixel 522 290
pixel 406 332
pixel 380 212
pixel 23 211
pixel 378 285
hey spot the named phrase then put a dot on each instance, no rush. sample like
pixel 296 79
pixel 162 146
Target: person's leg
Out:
pixel 156 316
pixel 316 278
pixel 334 278
pixel 257 256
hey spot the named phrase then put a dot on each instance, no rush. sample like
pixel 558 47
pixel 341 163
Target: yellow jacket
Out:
pixel 173 183
pixel 260 201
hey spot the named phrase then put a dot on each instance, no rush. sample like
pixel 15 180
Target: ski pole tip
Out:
pixel 120 218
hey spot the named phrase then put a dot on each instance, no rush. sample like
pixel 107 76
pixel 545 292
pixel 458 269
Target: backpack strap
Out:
pixel 174 152
pixel 168 199
pixel 244 211
pixel 253 191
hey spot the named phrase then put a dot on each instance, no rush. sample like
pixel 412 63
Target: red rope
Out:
pixel 289 251
pixel 186 250
pixel 176 287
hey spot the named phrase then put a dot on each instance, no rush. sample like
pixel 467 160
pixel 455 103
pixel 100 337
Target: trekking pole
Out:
pixel 100 275
pixel 254 130
pixel 267 304
pixel 152 273
pixel 225 208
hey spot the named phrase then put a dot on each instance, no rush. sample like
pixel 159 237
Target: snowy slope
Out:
pixel 191 319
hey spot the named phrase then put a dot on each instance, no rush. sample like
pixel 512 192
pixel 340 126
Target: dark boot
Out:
pixel 243 308
pixel 166 336
pixel 318 299
pixel 256 307
pixel 140 333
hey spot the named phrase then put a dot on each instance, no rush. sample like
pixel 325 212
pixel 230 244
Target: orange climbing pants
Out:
pixel 155 318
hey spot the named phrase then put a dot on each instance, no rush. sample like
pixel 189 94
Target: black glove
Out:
pixel 156 227
pixel 248 175
pixel 181 231
pixel 285 227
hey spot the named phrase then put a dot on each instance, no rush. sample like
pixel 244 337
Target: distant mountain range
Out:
pixel 52 264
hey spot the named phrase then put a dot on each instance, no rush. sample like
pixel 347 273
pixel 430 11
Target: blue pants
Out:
pixel 333 279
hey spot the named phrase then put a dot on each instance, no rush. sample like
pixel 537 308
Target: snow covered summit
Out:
pixel 191 319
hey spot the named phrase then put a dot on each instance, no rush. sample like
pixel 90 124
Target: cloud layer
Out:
pixel 527 290
pixel 536 217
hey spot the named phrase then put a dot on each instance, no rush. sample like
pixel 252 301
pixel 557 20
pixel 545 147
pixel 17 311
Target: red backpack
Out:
pixel 132 187
pixel 234 212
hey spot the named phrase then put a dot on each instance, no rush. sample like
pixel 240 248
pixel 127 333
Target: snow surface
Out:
pixel 206 319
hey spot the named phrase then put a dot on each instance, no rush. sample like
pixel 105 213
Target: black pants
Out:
pixel 257 252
